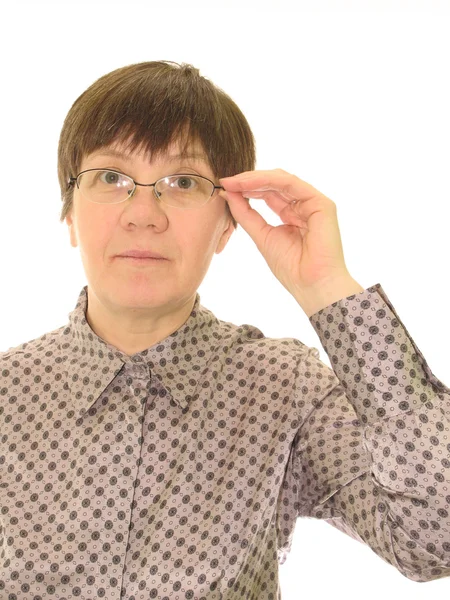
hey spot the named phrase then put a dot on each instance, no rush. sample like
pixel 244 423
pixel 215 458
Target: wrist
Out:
pixel 327 293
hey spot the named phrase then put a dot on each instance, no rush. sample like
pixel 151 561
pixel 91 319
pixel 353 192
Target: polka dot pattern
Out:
pixel 179 472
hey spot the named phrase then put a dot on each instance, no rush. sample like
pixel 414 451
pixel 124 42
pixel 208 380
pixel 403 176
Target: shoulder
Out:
pixel 32 352
pixel 249 342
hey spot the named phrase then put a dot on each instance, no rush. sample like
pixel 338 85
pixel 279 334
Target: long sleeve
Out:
pixel 372 457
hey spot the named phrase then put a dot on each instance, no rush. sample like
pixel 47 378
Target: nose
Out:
pixel 149 185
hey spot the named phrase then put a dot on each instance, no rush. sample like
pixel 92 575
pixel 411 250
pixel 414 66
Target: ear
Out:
pixel 225 237
pixel 72 229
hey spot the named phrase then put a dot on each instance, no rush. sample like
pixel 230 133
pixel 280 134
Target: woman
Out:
pixel 150 449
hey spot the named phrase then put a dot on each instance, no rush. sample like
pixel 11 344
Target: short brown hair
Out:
pixel 150 105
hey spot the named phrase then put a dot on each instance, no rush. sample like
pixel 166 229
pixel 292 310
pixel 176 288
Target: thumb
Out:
pixel 249 219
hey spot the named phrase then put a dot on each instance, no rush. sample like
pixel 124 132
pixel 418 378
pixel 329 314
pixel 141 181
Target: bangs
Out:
pixel 150 117
pixel 149 107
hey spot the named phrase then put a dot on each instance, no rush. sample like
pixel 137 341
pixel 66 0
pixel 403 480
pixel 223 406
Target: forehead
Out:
pixel 194 153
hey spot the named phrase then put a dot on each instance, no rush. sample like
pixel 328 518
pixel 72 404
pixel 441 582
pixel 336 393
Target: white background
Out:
pixel 350 97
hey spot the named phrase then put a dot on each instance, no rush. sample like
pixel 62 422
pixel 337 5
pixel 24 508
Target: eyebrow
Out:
pixel 172 158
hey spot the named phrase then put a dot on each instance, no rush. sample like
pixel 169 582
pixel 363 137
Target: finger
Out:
pixel 288 185
pixel 286 212
pixel 250 219
pixel 282 200
pixel 273 198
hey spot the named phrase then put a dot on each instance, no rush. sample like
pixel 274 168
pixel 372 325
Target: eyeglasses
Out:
pixel 107 186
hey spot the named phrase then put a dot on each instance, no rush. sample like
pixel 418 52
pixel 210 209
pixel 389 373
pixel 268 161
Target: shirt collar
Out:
pixel 178 361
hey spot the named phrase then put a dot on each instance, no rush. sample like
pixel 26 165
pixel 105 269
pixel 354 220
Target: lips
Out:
pixel 141 254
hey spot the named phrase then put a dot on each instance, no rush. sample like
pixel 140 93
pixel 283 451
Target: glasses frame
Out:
pixel 72 180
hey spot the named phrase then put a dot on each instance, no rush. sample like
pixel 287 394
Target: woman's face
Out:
pixel 187 238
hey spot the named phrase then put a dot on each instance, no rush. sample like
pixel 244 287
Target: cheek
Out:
pixel 198 236
pixel 95 230
pixel 198 248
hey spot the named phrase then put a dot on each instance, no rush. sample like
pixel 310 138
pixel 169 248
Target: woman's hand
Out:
pixel 306 252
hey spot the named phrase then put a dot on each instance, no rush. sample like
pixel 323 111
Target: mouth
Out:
pixel 142 261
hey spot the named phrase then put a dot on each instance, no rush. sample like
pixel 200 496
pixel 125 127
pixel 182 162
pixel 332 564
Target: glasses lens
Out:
pixel 105 187
pixel 110 187
pixel 184 191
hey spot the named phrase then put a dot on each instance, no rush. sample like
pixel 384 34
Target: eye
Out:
pixel 111 177
pixel 187 183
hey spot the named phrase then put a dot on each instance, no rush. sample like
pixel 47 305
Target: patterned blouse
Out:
pixel 179 472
